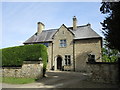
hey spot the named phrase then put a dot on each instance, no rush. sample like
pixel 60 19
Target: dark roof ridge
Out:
pixel 67 27
pixel 80 26
pixel 49 30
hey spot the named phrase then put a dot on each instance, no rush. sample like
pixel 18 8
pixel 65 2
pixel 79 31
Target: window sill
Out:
pixel 62 47
pixel 68 65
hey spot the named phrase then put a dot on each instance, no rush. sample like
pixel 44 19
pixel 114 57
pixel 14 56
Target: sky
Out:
pixel 19 19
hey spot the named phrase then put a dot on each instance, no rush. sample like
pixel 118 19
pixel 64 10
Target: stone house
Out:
pixel 68 47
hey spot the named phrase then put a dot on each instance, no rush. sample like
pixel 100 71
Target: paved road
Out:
pixel 62 79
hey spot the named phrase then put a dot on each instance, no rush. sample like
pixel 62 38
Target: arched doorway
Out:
pixel 59 63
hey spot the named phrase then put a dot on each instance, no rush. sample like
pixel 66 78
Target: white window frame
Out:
pixel 67 60
pixel 63 43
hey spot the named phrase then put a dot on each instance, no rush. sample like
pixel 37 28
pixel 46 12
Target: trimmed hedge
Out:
pixel 14 56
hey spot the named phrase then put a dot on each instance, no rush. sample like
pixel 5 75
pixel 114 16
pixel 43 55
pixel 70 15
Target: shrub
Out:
pixel 14 56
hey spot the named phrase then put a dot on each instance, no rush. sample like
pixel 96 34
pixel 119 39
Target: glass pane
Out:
pixel 64 44
pixel 69 56
pixel 64 41
pixel 66 61
pixel 69 62
pixel 60 45
pixel 60 41
pixel 65 56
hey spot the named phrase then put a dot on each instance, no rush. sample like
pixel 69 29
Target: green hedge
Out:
pixel 14 56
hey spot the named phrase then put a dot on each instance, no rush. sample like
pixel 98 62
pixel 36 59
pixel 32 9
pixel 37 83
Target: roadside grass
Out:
pixel 14 80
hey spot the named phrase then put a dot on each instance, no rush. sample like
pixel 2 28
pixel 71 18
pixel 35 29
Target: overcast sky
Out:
pixel 19 19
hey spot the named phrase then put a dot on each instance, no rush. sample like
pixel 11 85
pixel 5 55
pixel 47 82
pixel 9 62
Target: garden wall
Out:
pixel 104 72
pixel 29 69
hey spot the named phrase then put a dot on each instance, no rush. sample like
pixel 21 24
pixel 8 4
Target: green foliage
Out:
pixel 14 56
pixel 109 55
pixel 14 80
pixel 111 24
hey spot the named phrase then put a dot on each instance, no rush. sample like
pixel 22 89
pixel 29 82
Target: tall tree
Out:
pixel 111 24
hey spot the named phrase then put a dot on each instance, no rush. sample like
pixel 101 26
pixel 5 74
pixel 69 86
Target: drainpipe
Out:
pixel 52 57
pixel 73 55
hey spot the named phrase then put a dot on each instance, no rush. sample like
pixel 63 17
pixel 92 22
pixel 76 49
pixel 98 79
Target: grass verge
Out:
pixel 14 80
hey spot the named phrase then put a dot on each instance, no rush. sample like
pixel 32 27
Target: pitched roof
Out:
pixel 45 36
pixel 82 32
pixel 85 32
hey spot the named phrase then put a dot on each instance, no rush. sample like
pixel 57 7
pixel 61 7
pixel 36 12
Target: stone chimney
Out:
pixel 74 23
pixel 41 26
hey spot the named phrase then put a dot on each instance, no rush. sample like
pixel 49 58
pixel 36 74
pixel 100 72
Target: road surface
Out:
pixel 62 79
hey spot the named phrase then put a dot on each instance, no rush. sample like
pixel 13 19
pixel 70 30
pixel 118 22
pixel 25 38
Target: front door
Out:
pixel 59 63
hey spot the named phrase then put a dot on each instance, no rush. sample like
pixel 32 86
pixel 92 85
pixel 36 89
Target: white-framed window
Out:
pixel 67 60
pixel 63 43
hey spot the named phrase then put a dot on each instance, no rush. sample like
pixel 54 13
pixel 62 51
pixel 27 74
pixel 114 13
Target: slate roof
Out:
pixel 82 32
pixel 85 32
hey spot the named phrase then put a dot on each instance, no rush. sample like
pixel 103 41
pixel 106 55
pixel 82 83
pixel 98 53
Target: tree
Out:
pixel 109 55
pixel 111 24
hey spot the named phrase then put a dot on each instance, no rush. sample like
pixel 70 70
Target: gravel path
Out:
pixel 62 79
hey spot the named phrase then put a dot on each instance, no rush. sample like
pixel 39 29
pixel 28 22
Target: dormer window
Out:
pixel 63 43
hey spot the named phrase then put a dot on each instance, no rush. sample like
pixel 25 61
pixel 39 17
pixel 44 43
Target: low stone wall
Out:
pixel 104 72
pixel 30 69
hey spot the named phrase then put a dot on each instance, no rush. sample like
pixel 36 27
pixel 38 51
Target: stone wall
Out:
pixel 83 48
pixel 30 69
pixel 103 72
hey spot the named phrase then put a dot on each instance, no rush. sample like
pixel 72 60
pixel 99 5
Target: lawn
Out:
pixel 14 80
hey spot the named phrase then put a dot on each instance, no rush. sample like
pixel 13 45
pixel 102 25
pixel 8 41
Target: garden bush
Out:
pixel 14 56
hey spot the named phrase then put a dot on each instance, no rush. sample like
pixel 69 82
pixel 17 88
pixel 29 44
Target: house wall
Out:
pixel 63 33
pixel 81 49
pixel 84 47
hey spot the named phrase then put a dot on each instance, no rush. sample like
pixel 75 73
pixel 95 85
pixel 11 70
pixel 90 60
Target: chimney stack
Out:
pixel 41 26
pixel 74 23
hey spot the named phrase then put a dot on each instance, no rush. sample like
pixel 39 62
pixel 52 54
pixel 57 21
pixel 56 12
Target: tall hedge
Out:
pixel 14 56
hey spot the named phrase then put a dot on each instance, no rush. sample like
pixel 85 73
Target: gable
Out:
pixel 63 30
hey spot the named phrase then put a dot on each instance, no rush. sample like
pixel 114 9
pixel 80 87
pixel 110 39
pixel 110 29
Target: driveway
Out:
pixel 62 79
